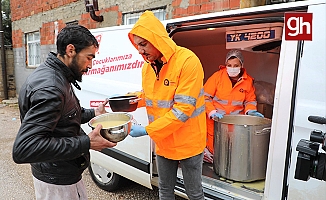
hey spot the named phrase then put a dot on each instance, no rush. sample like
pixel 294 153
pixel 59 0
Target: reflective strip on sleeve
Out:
pixel 179 115
pixel 150 118
pixel 221 111
pixel 202 92
pixel 183 117
pixel 185 99
pixel 198 111
pixel 250 102
pixel 207 95
pixel 236 103
pixel 220 101
pixel 165 104
pixel 149 103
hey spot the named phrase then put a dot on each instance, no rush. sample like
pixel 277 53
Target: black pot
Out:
pixel 124 103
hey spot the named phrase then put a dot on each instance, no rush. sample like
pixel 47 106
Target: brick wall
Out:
pixel 25 8
pixel 40 15
pixel 50 16
pixel 194 7
pixel 17 38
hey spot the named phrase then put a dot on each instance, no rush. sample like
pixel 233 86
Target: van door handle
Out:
pixel 317 119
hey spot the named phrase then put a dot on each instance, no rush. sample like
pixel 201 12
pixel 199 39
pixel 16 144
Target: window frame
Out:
pixel 33 63
pixel 135 15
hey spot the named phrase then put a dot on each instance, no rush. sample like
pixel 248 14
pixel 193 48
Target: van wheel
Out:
pixel 103 178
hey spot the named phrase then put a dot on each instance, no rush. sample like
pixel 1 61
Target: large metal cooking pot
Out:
pixel 241 147
pixel 115 126
pixel 125 103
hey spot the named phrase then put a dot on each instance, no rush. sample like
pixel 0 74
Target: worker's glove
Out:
pixel 137 131
pixel 217 115
pixel 255 113
pixel 208 156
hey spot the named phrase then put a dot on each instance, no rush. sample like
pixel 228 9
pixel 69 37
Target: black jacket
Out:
pixel 50 136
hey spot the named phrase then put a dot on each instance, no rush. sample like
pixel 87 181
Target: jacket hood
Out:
pixel 151 29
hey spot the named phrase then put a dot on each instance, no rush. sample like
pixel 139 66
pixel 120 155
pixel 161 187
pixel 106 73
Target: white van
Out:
pixel 295 68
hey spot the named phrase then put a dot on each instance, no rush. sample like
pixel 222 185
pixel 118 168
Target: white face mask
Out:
pixel 233 71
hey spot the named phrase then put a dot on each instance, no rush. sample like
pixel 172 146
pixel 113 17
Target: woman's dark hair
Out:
pixel 77 35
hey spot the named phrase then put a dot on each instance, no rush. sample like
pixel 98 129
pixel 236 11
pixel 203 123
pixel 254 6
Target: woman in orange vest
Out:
pixel 228 91
pixel 173 93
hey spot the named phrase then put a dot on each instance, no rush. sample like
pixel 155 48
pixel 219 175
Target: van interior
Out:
pixel 210 39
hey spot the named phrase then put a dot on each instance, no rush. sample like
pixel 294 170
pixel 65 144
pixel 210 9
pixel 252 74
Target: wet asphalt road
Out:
pixel 16 180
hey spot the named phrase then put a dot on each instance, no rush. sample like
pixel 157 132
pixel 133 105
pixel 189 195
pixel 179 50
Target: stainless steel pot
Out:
pixel 125 103
pixel 241 147
pixel 114 133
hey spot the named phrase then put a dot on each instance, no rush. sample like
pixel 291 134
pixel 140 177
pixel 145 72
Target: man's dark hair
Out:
pixel 77 35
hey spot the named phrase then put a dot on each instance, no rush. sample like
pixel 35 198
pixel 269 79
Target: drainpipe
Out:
pixel 91 8
pixel 3 58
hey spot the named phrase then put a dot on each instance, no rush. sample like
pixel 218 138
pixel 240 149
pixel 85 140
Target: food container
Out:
pixel 241 147
pixel 115 126
pixel 125 103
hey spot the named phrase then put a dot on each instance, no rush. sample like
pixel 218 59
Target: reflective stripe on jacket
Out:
pixel 175 99
pixel 225 99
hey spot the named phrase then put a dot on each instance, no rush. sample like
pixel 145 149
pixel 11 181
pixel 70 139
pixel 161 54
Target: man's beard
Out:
pixel 75 69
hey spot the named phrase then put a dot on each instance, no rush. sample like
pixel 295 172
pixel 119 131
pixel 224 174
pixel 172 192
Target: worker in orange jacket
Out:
pixel 228 91
pixel 173 93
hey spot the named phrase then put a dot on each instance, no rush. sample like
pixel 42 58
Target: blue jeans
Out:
pixel 191 170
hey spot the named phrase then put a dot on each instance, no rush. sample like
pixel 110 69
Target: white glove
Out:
pixel 208 156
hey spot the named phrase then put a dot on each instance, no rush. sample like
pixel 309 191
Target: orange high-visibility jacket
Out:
pixel 221 97
pixel 174 99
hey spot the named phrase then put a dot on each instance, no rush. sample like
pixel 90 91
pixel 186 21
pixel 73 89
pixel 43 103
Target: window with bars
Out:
pixel 131 18
pixel 33 49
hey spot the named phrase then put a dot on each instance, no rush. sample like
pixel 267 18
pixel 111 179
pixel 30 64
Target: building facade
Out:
pixel 35 24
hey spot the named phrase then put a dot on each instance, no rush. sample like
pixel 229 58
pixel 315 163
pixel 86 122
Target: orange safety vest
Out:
pixel 220 96
pixel 174 99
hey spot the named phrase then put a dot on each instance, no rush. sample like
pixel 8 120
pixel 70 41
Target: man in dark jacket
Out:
pixel 50 137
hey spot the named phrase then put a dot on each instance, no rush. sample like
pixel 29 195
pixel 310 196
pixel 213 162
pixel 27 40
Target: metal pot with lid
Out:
pixel 241 147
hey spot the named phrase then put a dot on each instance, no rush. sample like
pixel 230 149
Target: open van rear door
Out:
pixel 310 101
